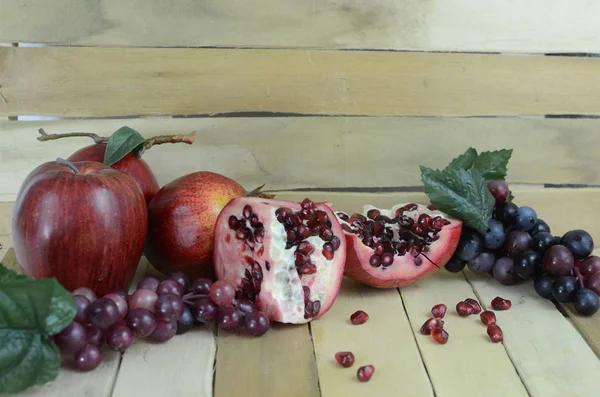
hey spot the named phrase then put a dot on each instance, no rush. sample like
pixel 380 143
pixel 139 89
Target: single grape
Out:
pixel 499 190
pixel 119 337
pixel 122 293
pixel 150 283
pixel 593 282
pixel 169 287
pixel 469 245
pixel 246 306
pixel 201 286
pixel 504 271
pixel 540 226
pixel 72 338
pixel 186 322
pixel 455 264
pixel 494 236
pixel 516 241
pixel 483 263
pixel 222 292
pixel 143 299
pixel 564 288
pixel 526 263
pixel 164 331
pixel 589 265
pixel 579 242
pixel 558 261
pixel 82 304
pixel 526 218
pixel 181 278
pixel 257 323
pixel 586 302
pixel 168 308
pixel 94 335
pixel 120 302
pixel 204 310
pixel 104 313
pixel 141 322
pixel 543 286
pixel 88 358
pixel 541 241
pixel 88 293
pixel 228 318
pixel 506 213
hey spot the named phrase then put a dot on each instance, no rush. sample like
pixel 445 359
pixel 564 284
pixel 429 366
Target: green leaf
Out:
pixel 124 141
pixel 8 274
pixel 465 160
pixel 460 193
pixel 26 359
pixel 493 165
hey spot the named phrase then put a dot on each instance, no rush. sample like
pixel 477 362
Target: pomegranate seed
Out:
pixel 416 229
pixel 387 259
pixel 234 222
pixel 259 234
pixel 375 261
pixel 254 222
pixel 439 335
pixel 326 234
pixel 430 325
pixel 365 373
pixel 474 304
pixel 501 303
pixel 291 236
pixel 359 217
pixel 405 221
pixel 424 221
pixel 495 333
pixel 282 214
pixel 359 317
pixel 308 268
pixel 411 207
pixel 306 291
pixel 378 229
pixel 307 214
pixel 304 231
pixel 293 220
pixel 343 216
pixel 439 311
pixel 345 359
pixel 321 217
pixel 305 248
pixel 335 243
pixel 241 234
pixel 372 214
pixel 464 309
pixel 378 250
pixel 247 211
pixel 307 204
pixel 487 317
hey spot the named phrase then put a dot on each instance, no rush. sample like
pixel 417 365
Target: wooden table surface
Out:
pixel 546 351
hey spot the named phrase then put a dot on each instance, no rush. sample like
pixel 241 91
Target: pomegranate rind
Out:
pixel 281 296
pixel 403 271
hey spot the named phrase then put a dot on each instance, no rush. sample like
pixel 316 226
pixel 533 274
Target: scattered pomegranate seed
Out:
pixel 501 303
pixel 365 373
pixel 439 310
pixel 431 324
pixel 359 317
pixel 474 304
pixel 440 335
pixel 495 333
pixel 345 359
pixel 488 317
pixel 464 309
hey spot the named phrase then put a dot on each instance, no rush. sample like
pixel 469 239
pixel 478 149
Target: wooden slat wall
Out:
pixel 442 25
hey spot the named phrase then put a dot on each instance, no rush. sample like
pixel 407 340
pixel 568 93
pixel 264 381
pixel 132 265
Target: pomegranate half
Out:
pixel 395 247
pixel 287 257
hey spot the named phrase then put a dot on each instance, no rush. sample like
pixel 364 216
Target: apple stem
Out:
pixel 68 164
pixel 160 139
pixel 49 137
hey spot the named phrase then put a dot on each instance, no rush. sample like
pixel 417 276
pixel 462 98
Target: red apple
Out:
pixel 181 222
pixel 136 167
pixel 84 223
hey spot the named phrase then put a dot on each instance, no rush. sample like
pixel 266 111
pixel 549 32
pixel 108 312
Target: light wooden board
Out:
pixel 323 152
pixel 529 26
pixel 385 341
pixel 280 363
pixel 469 362
pixel 69 81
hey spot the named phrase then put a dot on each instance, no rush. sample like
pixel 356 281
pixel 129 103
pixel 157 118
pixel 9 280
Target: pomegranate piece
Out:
pixel 495 333
pixel 440 335
pixel 430 325
pixel 399 245
pixel 439 311
pixel 359 317
pixel 499 303
pixel 365 373
pixel 345 359
pixel 474 304
pixel 464 309
pixel 289 260
pixel 487 317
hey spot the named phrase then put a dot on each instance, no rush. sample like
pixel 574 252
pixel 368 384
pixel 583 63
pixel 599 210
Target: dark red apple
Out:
pixel 84 223
pixel 181 222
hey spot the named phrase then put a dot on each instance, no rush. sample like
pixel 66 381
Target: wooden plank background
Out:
pixel 440 25
pixel 61 81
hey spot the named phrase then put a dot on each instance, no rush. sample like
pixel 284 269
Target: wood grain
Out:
pixel 280 363
pixel 323 152
pixel 386 341
pixel 444 25
pixel 69 81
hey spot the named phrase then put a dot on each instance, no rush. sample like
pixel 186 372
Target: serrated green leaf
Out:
pixel 465 160
pixel 122 142
pixel 7 274
pixel 493 165
pixel 460 193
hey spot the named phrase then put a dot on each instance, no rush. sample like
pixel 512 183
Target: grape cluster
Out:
pixel 157 310
pixel 518 246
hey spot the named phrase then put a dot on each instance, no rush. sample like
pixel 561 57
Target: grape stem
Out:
pixel 192 296
pixel 579 277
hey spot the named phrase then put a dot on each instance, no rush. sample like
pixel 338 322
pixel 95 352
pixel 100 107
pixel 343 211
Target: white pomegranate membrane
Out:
pixel 286 257
pixel 395 247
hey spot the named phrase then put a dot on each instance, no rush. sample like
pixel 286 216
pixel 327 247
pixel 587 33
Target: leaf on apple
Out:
pixel 122 142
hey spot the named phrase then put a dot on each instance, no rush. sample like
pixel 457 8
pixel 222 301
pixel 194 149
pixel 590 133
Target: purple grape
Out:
pixel 104 313
pixel 168 308
pixel 246 306
pixel 95 335
pixel 143 299
pixel 141 322
pixel 88 293
pixel 503 271
pixel 120 302
pixel 186 322
pixel 88 358
pixel 222 292
pixel 181 278
pixel 149 283
pixel 72 338
pixel 228 318
pixel 169 287
pixel 516 241
pixel 82 304
pixel 119 337
pixel 201 286
pixel 122 293
pixel 482 263
pixel 204 310
pixel 257 323
pixel 164 331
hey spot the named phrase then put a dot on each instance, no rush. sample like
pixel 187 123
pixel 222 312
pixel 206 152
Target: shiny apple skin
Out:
pixel 181 222
pixel 86 229
pixel 136 167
